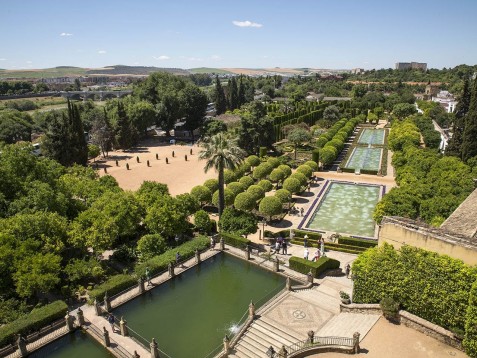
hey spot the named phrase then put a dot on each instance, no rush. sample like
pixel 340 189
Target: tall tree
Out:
pixel 241 92
pixel 469 137
pixel 232 92
pixel 220 100
pixel 256 129
pixel 102 134
pixel 454 147
pixel 125 133
pixel 221 152
pixel 195 106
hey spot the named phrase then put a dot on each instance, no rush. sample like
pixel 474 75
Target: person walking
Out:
pixel 111 322
pixel 277 246
pixel 305 240
pixel 317 255
pixel 178 259
pixel 212 243
pixel 322 246
pixel 347 270
pixel 302 211
pixel 148 277
pixel 284 247
pixel 306 253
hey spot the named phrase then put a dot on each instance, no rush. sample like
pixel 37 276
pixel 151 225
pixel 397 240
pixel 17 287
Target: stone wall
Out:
pixel 361 308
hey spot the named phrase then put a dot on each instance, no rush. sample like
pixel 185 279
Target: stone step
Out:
pixel 271 326
pixel 262 339
pixel 252 346
pixel 273 336
pixel 345 324
pixel 244 351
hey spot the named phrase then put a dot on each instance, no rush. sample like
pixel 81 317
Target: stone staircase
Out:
pixel 258 338
pixel 345 324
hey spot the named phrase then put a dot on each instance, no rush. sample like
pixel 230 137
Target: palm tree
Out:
pixel 221 152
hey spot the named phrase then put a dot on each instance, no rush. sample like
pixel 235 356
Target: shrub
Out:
pixel 389 307
pixel 305 170
pixel 299 234
pixel 229 176
pixel 270 206
pixel 300 177
pixel 113 285
pixel 321 141
pixel 202 193
pixel 274 162
pixel 357 242
pixel 212 185
pixel 312 164
pixel 470 337
pixel 262 171
pixel 238 222
pixel 283 195
pixel 256 191
pixel 159 263
pixel 253 160
pixel 245 202
pixel 247 181
pixel 286 169
pixel 262 152
pixel 292 185
pixel 328 155
pixel 316 268
pixel 202 221
pixel 337 143
pixel 236 187
pixel 265 184
pixel 151 245
pixel 35 320
pixel 315 156
pixel 277 175
pixel 229 197
pixel 235 240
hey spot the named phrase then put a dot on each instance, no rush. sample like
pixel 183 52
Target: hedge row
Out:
pixel 234 240
pixel 112 286
pixel 357 242
pixel 298 234
pixel 35 320
pixel 316 268
pixel 368 171
pixel 331 246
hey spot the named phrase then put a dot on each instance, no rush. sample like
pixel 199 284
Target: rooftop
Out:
pixel 463 220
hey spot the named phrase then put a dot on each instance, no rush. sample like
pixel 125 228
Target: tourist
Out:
pixel 178 258
pixel 322 246
pixel 347 270
pixel 284 247
pixel 305 241
pixel 111 322
pixel 212 243
pixel 148 277
pixel 302 211
pixel 306 253
pixel 317 255
pixel 277 246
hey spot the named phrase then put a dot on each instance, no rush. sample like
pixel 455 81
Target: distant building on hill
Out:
pixel 411 66
pixel 357 71
pixel 445 100
pixel 431 91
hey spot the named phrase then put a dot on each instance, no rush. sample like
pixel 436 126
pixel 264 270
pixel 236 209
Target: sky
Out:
pixel 336 34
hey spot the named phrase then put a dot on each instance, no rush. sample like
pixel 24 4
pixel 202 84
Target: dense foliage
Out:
pixel 316 267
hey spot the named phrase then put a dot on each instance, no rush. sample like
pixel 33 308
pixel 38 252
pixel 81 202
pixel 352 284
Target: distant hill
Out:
pixel 218 71
pixel 134 70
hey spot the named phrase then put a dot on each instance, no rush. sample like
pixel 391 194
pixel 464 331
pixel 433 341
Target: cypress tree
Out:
pixel 241 92
pixel 78 144
pixel 454 147
pixel 124 130
pixel 469 137
pixel 220 101
pixel 233 94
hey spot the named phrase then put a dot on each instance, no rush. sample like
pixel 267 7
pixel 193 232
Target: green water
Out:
pixel 372 136
pixel 346 208
pixel 365 158
pixel 75 345
pixel 190 314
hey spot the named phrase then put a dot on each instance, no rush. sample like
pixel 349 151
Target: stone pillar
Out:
pixel 311 337
pixel 309 278
pixel 80 316
pixel 154 349
pixel 226 346
pixel 123 327
pixel 140 285
pixel 69 322
pixel 106 340
pixel 197 256
pixel 277 264
pixel 259 234
pixel 21 344
pixel 135 355
pixel 171 269
pixel 247 252
pixel 107 302
pixel 222 244
pixel 97 308
pixel 283 353
pixel 356 342
pixel 288 284
pixel 251 310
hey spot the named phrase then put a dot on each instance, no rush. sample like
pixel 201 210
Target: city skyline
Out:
pixel 341 34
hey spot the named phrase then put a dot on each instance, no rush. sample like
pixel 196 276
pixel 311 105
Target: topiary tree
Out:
pixel 229 176
pixel 327 155
pixel 270 206
pixel 265 184
pixel 305 170
pixel 150 245
pixel 293 185
pixel 300 177
pixel 315 155
pixel 262 171
pixel 238 222
pixel 277 175
pixel 245 202
pixel 263 152
pixel 247 181
pixel 312 164
pixel 212 185
pixel 253 160
pixel 286 169
pixel 236 187
pixel 283 195
pixel 202 221
pixel 274 162
pixel 229 197
pixel 321 141
pixel 256 191
pixel 202 194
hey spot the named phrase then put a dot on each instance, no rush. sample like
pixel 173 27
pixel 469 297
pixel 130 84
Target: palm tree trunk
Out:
pixel 221 189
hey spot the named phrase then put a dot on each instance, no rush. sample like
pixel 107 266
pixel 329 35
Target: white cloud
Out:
pixel 161 58
pixel 246 23
pixel 66 34
pixel 101 52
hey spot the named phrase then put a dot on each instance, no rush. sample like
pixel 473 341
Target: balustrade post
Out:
pixel 21 344
pixel 277 264
pixel 311 337
pixel 222 244
pixel 69 322
pixel 97 308
pixel 197 256
pixel 154 349
pixel 80 316
pixel 283 353
pixel 106 340
pixel 288 284
pixel 247 252
pixel 251 310
pixel 170 267
pixel 107 302
pixel 356 342
pixel 123 327
pixel 140 285
pixel 226 346
pixel 309 278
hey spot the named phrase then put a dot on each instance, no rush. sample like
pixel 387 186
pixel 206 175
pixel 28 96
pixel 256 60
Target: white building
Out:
pixel 446 100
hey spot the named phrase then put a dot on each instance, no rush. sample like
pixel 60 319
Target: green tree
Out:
pixel 305 170
pixel 283 195
pixel 166 218
pixel 292 185
pixel 187 203
pixel 220 100
pixel 247 181
pixel 265 184
pixel 220 153
pixel 331 113
pixel 403 110
pixel 298 136
pixel 238 222
pixel 270 206
pixel 245 202
pixel 213 126
pixel 212 185
pixel 202 221
pixel 150 191
pixel 241 92
pixel 256 129
pixel 195 106
pixel 262 171
pixel 253 160
pixel 232 94
pixel 93 151
pixel 236 187
pixel 142 115
pixel 150 245
pixel 15 126
pixel 125 133
pixel 277 175
pixel 256 191
pixel 102 133
pixel 469 136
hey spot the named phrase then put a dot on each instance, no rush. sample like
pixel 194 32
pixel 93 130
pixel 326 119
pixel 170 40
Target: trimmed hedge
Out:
pixel 298 234
pixel 34 321
pixel 368 171
pixel 160 263
pixel 470 338
pixel 113 285
pixel 235 240
pixel 316 268
pixel 357 242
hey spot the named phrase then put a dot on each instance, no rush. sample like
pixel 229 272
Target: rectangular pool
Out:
pixel 365 158
pixel 346 208
pixel 372 136
pixel 190 314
